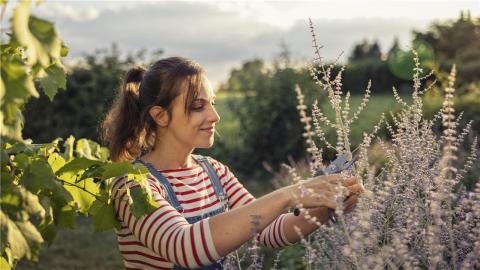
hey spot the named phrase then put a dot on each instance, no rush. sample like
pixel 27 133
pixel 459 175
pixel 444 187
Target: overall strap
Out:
pixel 171 197
pixel 212 174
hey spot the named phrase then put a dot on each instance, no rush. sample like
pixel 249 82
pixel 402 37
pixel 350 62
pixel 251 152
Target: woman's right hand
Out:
pixel 316 192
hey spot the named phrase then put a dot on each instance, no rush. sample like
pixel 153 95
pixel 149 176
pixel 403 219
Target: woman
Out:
pixel 161 115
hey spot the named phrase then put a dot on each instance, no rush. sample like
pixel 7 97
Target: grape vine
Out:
pixel 44 187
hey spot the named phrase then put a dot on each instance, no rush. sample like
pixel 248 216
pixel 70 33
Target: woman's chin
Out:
pixel 206 145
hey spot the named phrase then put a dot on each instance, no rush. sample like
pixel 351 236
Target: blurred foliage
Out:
pixel 456 42
pixel 92 84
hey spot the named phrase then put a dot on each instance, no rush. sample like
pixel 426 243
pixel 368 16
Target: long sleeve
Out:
pixel 272 236
pixel 165 231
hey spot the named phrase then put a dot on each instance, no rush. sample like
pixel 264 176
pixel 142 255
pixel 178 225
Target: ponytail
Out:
pixel 122 127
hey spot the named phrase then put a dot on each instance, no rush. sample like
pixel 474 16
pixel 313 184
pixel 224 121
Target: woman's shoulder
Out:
pixel 214 162
pixel 222 170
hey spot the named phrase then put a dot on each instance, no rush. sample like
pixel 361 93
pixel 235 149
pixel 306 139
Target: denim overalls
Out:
pixel 172 198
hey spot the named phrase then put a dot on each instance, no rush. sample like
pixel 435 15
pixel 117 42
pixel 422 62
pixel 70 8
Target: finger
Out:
pixel 334 178
pixel 328 203
pixel 350 203
pixel 353 189
pixel 353 199
pixel 324 194
pixel 326 199
pixel 331 178
pixel 350 181
pixel 350 207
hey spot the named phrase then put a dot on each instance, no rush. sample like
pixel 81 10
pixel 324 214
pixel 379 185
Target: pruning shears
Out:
pixel 341 163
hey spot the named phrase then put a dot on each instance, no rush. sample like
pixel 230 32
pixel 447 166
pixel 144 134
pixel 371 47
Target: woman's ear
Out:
pixel 159 115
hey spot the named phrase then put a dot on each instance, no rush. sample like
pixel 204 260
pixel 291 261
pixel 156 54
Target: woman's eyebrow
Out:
pixel 204 99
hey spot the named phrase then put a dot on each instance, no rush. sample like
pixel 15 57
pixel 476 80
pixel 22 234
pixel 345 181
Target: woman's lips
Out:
pixel 208 130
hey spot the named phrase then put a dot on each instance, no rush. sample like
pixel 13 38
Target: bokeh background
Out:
pixel 255 52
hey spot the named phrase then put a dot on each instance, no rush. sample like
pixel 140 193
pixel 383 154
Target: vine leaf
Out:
pixel 103 215
pixel 91 150
pixel 22 236
pixel 53 80
pixel 142 203
pixel 38 36
pixel 84 198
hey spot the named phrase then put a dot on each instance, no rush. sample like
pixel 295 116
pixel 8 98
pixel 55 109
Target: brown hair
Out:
pixel 128 129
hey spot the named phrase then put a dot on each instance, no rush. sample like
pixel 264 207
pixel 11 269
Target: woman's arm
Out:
pixel 233 228
pixel 167 233
pixel 272 236
pixel 306 227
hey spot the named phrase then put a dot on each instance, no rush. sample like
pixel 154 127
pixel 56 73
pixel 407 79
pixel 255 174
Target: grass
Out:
pixel 81 248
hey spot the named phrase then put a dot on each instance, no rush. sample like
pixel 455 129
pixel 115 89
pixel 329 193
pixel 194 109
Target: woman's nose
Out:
pixel 215 117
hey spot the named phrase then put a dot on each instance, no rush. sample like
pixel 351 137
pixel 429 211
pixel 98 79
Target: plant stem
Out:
pixel 82 188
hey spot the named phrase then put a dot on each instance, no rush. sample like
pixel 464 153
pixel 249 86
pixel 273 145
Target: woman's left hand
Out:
pixel 354 189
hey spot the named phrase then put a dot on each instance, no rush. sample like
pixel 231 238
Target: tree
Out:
pixel 365 51
pixel 92 84
pixel 456 42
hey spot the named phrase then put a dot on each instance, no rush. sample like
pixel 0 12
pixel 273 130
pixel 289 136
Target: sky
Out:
pixel 221 35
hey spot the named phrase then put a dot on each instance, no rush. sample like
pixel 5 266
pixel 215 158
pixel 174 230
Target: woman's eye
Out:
pixel 201 107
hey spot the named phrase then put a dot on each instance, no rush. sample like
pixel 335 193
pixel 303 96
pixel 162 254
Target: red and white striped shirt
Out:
pixel 164 237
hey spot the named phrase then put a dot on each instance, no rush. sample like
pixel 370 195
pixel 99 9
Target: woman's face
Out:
pixel 196 131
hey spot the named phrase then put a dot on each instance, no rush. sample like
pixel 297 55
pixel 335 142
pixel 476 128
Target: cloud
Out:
pixel 218 36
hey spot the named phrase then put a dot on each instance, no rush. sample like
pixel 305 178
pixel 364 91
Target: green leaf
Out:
pixel 23 147
pixel 4 159
pixel 77 165
pixel 18 85
pixel 23 237
pixel 103 215
pixel 56 161
pixel 4 264
pixel 68 145
pixel 38 36
pixel 136 172
pixel 142 203
pixel 95 172
pixel 82 198
pixel 10 199
pixel 45 149
pixel 39 176
pixel 7 179
pixel 64 51
pixel 49 232
pixel 33 238
pixel 17 198
pixel 91 150
pixel 47 206
pixel 60 195
pixel 54 79
pixel 65 217
pixel 21 161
